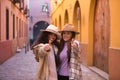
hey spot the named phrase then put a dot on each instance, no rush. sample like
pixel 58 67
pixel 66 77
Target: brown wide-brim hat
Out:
pixel 69 27
pixel 53 29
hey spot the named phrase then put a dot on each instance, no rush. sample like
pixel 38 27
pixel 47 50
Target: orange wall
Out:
pixel 114 51
pixel 8 47
pixel 5 50
pixel 87 17
pixel 114 64
pixel 115 23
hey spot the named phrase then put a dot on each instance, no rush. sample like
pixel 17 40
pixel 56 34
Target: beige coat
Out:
pixel 46 67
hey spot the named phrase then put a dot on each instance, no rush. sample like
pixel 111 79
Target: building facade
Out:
pixel 13 27
pixel 98 24
pixel 39 17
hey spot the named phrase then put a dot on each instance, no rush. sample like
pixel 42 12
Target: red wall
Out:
pixel 114 64
pixel 5 50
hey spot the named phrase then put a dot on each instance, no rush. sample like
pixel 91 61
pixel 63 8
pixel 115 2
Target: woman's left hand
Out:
pixel 73 44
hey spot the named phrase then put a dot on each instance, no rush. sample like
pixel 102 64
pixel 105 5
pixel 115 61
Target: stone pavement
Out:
pixel 22 66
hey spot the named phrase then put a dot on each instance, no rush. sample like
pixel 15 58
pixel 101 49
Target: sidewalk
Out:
pixel 22 66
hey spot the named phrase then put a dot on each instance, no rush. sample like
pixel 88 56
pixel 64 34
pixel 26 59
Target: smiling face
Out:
pixel 52 37
pixel 67 35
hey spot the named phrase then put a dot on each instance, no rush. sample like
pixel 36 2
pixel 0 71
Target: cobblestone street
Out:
pixel 22 66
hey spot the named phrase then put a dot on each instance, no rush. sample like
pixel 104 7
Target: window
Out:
pixel 7 24
pixel 45 7
pixel 17 27
pixel 13 26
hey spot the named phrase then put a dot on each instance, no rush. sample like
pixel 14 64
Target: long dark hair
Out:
pixel 43 38
pixel 62 43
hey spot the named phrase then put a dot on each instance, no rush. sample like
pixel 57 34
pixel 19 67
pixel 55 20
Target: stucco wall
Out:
pixel 8 46
pixel 114 51
pixel 87 22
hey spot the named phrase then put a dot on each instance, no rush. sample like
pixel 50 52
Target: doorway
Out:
pixel 101 33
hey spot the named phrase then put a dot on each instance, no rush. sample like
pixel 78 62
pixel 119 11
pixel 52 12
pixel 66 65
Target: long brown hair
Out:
pixel 62 43
pixel 43 38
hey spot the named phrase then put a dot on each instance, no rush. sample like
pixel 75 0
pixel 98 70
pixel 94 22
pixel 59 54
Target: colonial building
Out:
pixel 13 27
pixel 39 17
pixel 98 24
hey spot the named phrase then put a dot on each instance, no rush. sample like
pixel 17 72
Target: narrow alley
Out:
pixel 96 21
pixel 22 66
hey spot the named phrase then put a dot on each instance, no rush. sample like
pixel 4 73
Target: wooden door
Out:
pixel 101 35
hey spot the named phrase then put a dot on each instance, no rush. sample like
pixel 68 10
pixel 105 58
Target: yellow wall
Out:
pixel 84 19
pixel 69 5
pixel 115 23
pixel 60 11
pixel 87 8
pixel 114 50
pixel 86 22
pixel 90 31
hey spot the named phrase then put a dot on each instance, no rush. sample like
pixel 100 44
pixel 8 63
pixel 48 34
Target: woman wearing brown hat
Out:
pixel 45 48
pixel 68 60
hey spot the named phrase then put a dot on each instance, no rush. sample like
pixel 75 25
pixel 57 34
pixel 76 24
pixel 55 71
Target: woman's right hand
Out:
pixel 47 47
